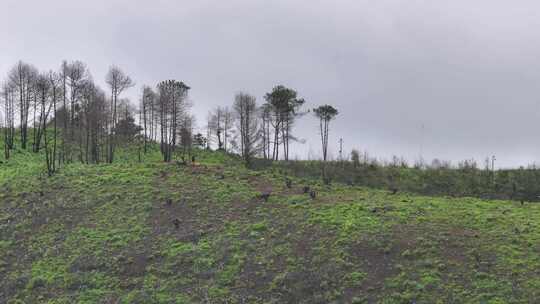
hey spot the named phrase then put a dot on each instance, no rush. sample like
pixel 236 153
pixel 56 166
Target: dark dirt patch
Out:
pixel 378 263
pixel 260 184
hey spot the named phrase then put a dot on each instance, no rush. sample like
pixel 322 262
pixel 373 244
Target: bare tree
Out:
pixel 355 157
pixel 43 87
pixel 265 116
pixel 54 86
pixel 245 108
pixel 228 123
pixel 187 125
pixel 127 130
pixel 118 81
pixel 209 130
pixel 22 78
pixel 215 126
pixel 220 125
pixel 172 106
pixel 92 116
pixel 65 117
pixel 77 78
pixel 146 114
pixel 55 81
pixel 8 94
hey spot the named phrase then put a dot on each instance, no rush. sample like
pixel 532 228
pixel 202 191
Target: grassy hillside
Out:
pixel 162 233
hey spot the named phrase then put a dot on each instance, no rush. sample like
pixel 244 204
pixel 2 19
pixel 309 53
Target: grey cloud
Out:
pixel 466 70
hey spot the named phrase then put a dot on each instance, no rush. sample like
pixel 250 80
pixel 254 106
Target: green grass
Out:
pixel 106 234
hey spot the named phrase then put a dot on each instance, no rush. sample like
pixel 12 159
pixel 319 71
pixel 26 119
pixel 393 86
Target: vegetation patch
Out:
pixel 153 232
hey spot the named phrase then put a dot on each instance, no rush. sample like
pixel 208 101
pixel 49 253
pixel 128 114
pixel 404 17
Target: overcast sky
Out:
pixel 467 70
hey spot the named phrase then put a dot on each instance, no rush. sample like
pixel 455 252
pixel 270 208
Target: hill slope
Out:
pixel 161 233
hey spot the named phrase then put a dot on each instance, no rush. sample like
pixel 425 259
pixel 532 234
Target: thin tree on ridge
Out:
pixel 245 108
pixel 118 81
pixel 284 106
pixel 325 113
